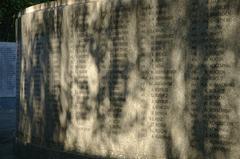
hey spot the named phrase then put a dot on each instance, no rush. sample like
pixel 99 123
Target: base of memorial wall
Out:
pixel 31 151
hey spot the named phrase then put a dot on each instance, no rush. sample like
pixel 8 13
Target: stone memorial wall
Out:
pixel 131 78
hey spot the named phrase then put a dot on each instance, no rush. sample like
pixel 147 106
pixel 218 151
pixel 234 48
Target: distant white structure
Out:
pixel 8 58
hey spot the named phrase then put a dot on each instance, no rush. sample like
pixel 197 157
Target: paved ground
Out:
pixel 7 132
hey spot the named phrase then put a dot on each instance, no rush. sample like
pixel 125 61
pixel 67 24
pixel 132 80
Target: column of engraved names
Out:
pixel 144 28
pixel 54 72
pixel 201 76
pixel 80 91
pixel 217 113
pixel 118 64
pixel 36 76
pixel 197 82
pixel 207 78
pixel 162 73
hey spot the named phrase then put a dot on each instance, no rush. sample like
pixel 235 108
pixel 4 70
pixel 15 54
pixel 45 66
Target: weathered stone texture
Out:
pixel 131 79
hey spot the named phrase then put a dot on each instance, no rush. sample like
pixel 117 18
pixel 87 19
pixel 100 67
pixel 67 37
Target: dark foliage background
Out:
pixel 9 10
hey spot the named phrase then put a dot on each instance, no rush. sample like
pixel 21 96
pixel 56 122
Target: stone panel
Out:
pixel 131 78
pixel 7 69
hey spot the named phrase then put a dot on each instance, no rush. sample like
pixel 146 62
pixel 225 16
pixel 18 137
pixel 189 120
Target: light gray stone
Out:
pixel 131 79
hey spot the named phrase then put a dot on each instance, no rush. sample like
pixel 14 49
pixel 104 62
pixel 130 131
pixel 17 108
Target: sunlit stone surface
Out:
pixel 131 79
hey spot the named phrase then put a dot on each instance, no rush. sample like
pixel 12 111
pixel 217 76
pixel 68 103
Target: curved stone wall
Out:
pixel 130 79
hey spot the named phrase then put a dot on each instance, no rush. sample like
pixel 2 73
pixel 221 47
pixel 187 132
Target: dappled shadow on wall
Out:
pixel 134 79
